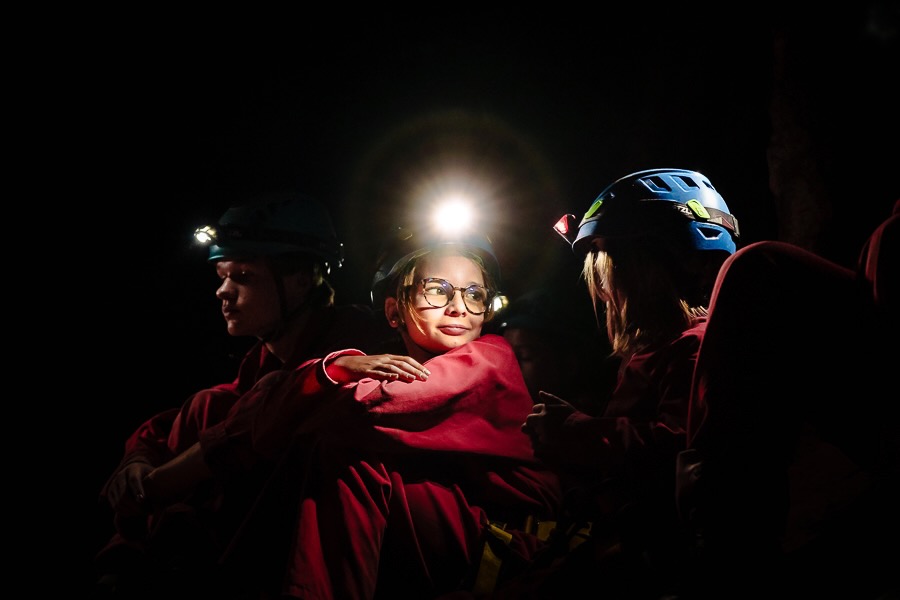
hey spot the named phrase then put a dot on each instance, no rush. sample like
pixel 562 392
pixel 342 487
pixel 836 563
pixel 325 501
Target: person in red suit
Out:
pixel 414 477
pixel 651 245
pixel 791 477
pixel 274 256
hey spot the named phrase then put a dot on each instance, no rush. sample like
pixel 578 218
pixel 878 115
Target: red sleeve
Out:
pixel 167 434
pixel 654 427
pixel 474 401
pixel 161 437
pixel 172 431
pixel 263 421
pixel 645 421
pixel 266 418
pixel 204 409
pixel 149 442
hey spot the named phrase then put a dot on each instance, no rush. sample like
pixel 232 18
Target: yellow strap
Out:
pixel 489 569
pixel 578 536
pixel 543 530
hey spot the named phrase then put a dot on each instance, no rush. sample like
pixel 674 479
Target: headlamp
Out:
pixel 566 228
pixel 205 235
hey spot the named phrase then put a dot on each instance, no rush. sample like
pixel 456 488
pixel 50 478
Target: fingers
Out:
pixel 554 405
pixel 384 367
pixel 411 364
pixel 392 367
pixel 136 484
pixel 126 491
pixel 551 399
pixel 123 500
pixel 394 373
pixel 533 420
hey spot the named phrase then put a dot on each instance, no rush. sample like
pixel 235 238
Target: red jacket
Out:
pixel 645 421
pixel 172 431
pixel 400 478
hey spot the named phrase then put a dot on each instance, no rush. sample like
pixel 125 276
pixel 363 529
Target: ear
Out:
pixel 297 287
pixel 392 312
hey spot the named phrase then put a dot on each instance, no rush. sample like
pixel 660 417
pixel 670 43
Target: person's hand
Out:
pixel 125 492
pixel 384 367
pixel 175 480
pixel 544 426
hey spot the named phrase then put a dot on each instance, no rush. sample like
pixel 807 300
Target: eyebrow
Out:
pixel 451 283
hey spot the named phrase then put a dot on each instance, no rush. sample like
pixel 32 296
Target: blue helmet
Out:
pixel 279 223
pixel 406 244
pixel 669 203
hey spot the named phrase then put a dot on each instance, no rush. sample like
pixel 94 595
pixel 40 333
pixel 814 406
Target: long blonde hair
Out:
pixel 651 291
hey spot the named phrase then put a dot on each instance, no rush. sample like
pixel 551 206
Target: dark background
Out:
pixel 792 116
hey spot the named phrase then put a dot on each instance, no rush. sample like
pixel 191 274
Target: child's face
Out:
pixel 438 330
pixel 249 296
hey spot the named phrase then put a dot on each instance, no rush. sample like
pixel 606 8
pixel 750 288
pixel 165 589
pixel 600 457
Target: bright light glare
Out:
pixel 205 234
pixel 500 302
pixel 455 213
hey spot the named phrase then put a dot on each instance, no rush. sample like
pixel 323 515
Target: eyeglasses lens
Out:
pixel 438 293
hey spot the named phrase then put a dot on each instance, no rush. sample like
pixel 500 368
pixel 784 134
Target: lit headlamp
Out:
pixel 205 235
pixel 567 228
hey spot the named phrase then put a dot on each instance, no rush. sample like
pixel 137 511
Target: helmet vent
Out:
pixel 648 202
pixel 657 184
pixel 687 183
pixel 710 233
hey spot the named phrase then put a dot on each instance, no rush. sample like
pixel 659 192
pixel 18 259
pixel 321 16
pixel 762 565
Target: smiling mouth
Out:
pixel 453 329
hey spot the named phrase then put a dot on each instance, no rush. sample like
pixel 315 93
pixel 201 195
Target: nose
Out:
pixel 457 305
pixel 226 290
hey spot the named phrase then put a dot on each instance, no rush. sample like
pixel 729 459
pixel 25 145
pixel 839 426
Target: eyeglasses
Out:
pixel 438 293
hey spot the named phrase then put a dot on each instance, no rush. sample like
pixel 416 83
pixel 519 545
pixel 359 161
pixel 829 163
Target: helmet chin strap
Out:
pixel 287 315
pixel 282 326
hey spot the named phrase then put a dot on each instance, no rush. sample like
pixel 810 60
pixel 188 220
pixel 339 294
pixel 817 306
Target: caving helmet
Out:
pixel 668 203
pixel 274 224
pixel 405 244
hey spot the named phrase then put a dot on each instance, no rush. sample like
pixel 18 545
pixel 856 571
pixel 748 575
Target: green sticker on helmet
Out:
pixel 697 208
pixel 593 209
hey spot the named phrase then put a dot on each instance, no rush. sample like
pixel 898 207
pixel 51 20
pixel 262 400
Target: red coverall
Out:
pixel 399 479
pixel 218 508
pixel 619 471
pixel 792 468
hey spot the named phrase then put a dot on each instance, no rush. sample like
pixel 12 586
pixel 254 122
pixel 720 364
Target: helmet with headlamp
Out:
pixel 405 245
pixel 272 225
pixel 676 204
